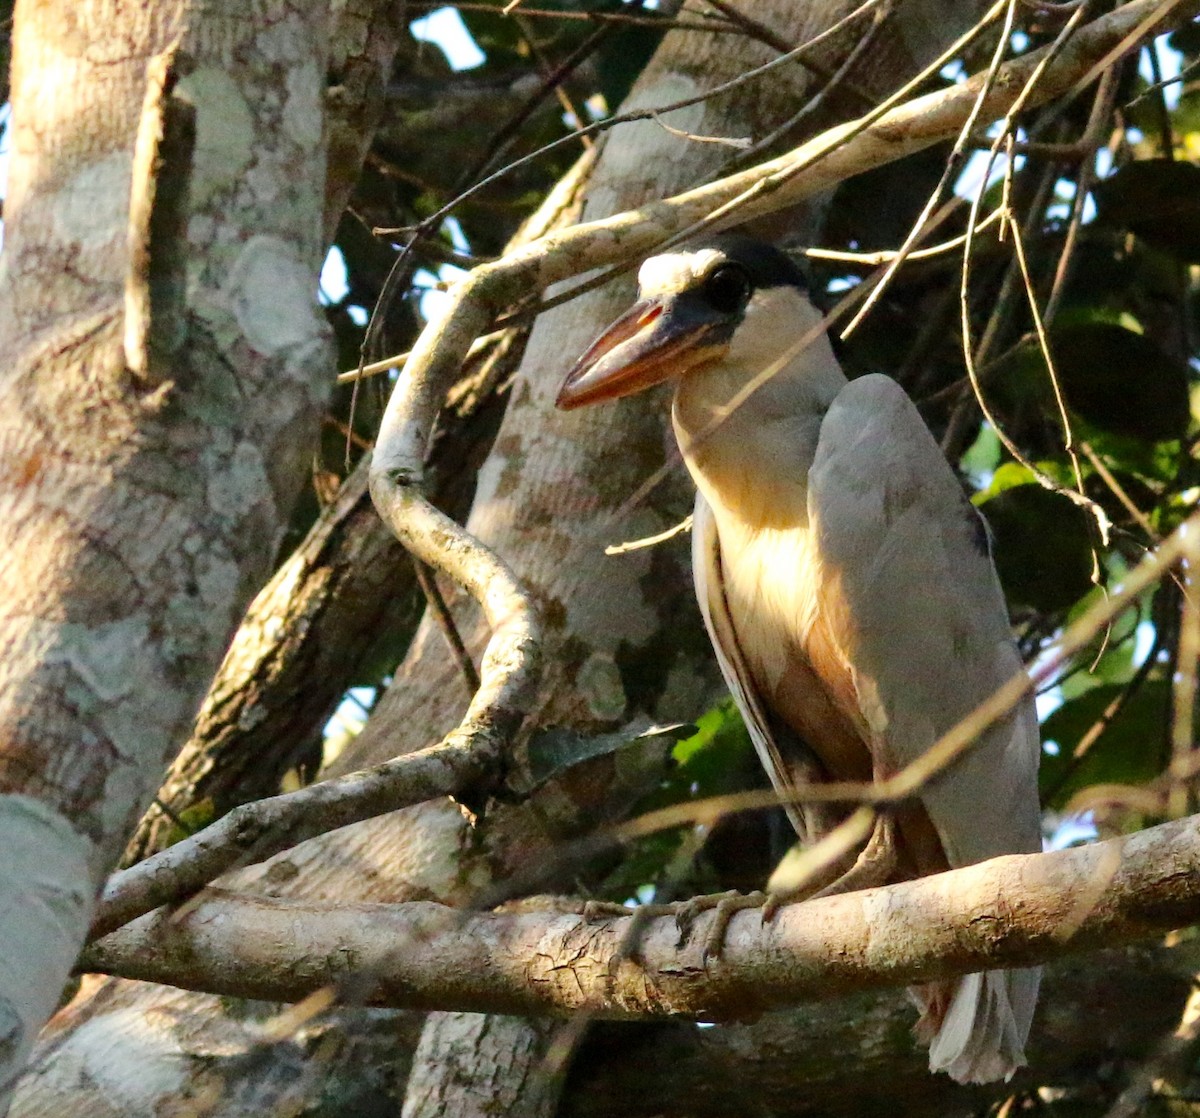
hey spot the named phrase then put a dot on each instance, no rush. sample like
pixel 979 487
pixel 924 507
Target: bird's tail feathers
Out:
pixel 979 1037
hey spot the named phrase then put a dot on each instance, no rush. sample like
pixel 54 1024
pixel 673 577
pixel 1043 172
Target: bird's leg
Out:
pixel 724 906
pixel 685 913
pixel 874 866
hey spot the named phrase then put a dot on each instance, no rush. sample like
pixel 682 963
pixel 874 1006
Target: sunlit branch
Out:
pixel 1015 910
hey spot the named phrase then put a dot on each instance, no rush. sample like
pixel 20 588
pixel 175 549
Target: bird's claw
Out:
pixel 603 910
pixel 724 906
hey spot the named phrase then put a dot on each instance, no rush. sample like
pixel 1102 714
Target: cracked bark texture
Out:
pixel 1100 1012
pixel 139 510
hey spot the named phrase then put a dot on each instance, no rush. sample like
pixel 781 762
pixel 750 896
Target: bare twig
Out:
pixel 1024 97
pixel 684 525
pixel 658 22
pixel 1118 490
pixel 885 256
pixel 952 163
pixel 1043 339
pixel 445 621
pixel 1091 140
pixel 835 81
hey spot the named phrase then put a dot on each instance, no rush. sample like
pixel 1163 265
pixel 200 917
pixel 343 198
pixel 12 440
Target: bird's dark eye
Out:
pixel 728 289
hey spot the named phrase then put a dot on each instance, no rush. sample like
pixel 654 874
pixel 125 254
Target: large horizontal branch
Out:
pixel 855 1057
pixel 1016 910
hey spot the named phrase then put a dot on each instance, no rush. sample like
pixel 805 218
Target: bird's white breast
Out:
pixel 772 583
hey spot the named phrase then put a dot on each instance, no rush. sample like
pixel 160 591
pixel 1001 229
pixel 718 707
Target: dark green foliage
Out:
pixel 1159 201
pixel 716 760
pixel 1042 547
pixel 1131 750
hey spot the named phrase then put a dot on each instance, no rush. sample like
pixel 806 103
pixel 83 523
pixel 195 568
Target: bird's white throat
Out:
pixel 766 394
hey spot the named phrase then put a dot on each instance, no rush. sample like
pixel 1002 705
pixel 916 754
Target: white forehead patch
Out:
pixel 674 271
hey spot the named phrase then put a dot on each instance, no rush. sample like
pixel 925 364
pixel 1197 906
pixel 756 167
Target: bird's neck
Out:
pixel 750 454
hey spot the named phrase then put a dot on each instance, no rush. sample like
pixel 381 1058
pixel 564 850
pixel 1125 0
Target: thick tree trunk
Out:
pixel 164 363
pixel 172 1036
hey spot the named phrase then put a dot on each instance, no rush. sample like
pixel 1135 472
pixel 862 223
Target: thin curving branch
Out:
pixel 463 761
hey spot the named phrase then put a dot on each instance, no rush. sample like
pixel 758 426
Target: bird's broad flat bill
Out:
pixel 656 340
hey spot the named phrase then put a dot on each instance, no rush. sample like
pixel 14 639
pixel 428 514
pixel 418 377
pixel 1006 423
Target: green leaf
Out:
pixel 1114 377
pixel 1155 462
pixel 982 457
pixel 1131 750
pixel 195 817
pixel 1116 663
pixel 1159 201
pixel 556 750
pixel 717 758
pixel 1007 476
pixel 1121 380
pixel 1043 548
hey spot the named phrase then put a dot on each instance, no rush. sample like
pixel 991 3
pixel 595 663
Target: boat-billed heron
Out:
pixel 847 585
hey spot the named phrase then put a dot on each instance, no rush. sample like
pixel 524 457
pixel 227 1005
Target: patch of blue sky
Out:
pixel 333 284
pixel 842 283
pixel 954 72
pixel 971 178
pixel 431 299
pixel 1064 202
pixel 1143 642
pixel 1071 831
pixel 351 713
pixel 1047 702
pixel 445 28
pixel 457 237
pixel 1170 62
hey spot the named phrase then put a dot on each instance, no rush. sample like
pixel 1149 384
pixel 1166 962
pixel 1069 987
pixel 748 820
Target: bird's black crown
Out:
pixel 766 265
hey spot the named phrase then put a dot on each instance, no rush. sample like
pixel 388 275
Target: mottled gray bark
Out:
pixel 164 365
pixel 1015 910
